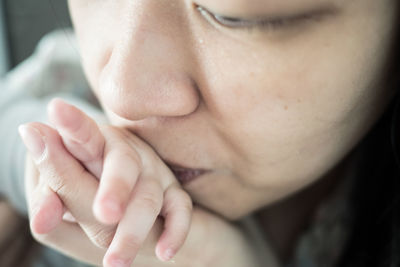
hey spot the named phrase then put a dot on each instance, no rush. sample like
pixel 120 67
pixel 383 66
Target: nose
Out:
pixel 147 73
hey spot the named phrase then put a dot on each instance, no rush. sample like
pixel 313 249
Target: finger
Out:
pixel 44 206
pixel 80 133
pixel 136 224
pixel 47 211
pixel 120 172
pixel 66 177
pixel 177 211
pixel 31 175
pixel 71 240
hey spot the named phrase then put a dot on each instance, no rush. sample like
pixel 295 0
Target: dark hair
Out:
pixel 375 199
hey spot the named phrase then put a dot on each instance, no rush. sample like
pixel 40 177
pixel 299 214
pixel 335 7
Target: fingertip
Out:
pixel 80 134
pixel 54 103
pixel 107 209
pixel 177 211
pixel 113 260
pixel 164 254
pixel 170 243
pixel 52 110
pixel 47 214
pixel 62 114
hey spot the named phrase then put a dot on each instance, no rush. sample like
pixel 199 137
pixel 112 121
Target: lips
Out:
pixel 186 175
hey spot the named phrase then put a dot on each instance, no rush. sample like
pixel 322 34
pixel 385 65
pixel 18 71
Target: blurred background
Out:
pixel 23 23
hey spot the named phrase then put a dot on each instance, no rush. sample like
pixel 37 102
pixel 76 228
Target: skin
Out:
pixel 268 111
pixel 134 186
pixel 56 179
pixel 280 107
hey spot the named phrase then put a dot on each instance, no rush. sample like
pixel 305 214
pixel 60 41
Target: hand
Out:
pixel 211 240
pixel 131 172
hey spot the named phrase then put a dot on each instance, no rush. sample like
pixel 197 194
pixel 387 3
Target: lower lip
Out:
pixel 186 176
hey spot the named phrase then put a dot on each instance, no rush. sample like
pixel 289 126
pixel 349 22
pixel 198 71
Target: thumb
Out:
pixel 80 134
pixel 65 176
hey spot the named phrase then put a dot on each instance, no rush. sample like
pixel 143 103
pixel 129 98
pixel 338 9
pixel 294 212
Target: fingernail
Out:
pixel 119 263
pixel 33 140
pixel 168 254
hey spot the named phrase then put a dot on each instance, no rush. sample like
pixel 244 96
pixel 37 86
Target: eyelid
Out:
pixel 272 23
pixel 246 23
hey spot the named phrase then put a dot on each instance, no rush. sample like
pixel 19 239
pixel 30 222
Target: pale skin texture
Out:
pixel 135 186
pixel 267 111
pixel 62 176
pixel 278 108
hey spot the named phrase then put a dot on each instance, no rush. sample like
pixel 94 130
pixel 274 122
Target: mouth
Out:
pixel 186 175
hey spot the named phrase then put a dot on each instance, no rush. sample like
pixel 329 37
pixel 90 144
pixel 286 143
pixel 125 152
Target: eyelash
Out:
pixel 237 23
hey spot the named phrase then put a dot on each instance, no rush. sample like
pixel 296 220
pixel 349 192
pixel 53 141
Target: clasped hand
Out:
pixel 123 199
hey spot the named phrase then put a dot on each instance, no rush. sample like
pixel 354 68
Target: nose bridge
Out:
pixel 146 74
pixel 146 21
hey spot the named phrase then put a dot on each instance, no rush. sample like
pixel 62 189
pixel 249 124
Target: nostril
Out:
pixel 147 76
pixel 150 95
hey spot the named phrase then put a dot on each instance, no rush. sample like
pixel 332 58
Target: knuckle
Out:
pixel 85 140
pixel 120 183
pixel 102 237
pixel 79 132
pixel 132 139
pixel 186 199
pixel 53 175
pixel 112 134
pixel 93 150
pixel 182 200
pixel 129 154
pixel 150 200
pixel 59 182
pixel 187 207
pixel 131 242
pixel 151 162
pixel 122 152
pixel 59 187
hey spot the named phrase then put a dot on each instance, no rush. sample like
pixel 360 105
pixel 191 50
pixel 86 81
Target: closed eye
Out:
pixel 260 23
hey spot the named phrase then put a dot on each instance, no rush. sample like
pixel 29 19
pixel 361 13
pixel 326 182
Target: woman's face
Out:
pixel 268 95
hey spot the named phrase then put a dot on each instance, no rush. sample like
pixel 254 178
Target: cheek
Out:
pixel 294 111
